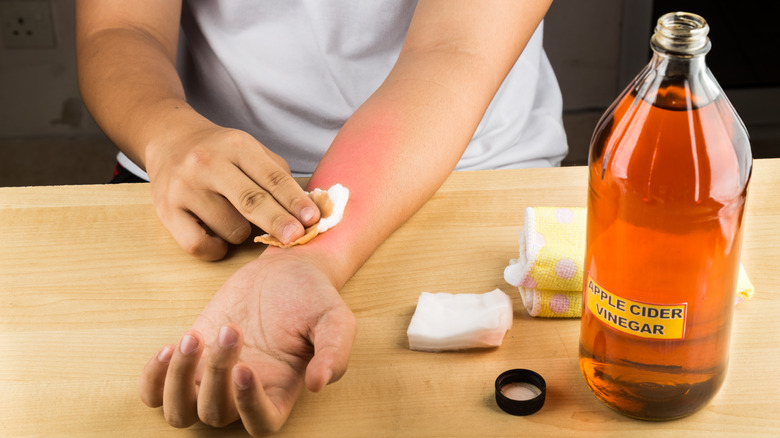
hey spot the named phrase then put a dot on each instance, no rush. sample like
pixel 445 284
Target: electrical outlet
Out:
pixel 26 24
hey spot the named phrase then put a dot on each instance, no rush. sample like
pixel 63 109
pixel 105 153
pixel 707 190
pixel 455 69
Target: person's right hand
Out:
pixel 210 184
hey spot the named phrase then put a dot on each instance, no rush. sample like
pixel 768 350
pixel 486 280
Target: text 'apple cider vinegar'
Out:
pixel 669 168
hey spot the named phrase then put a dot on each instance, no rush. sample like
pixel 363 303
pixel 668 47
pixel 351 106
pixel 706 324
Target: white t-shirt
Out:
pixel 291 72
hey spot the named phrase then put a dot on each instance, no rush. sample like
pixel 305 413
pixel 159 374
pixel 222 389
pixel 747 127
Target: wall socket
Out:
pixel 26 24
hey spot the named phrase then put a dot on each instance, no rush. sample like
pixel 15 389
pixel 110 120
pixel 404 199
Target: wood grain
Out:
pixel 91 285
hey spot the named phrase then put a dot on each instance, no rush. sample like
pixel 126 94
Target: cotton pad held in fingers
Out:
pixel 331 203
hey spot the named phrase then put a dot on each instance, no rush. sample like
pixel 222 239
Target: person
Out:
pixel 221 103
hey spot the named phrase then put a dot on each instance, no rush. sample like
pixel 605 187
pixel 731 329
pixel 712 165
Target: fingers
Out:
pixel 256 181
pixel 223 220
pixel 179 393
pixel 153 377
pixel 271 199
pixel 228 391
pixel 216 406
pixel 208 196
pixel 258 413
pixel 261 207
pixel 192 236
pixel 271 172
pixel 169 379
pixel 332 338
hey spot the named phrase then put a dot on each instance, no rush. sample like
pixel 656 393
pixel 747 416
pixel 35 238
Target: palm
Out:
pixel 277 305
pixel 276 324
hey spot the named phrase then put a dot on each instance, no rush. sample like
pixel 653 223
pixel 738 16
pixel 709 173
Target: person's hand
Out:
pixel 275 325
pixel 208 185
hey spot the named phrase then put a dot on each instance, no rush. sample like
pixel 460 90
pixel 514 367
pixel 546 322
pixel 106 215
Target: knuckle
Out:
pixel 198 157
pixel 250 199
pixel 236 138
pixel 216 367
pixel 276 178
pixel 282 164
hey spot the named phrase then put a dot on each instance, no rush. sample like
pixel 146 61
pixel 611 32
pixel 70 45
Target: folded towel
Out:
pixel 548 272
pixel 445 321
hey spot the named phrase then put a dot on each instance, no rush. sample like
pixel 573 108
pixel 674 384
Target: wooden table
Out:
pixel 91 285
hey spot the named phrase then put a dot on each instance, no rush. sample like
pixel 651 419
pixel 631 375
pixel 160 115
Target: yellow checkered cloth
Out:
pixel 548 272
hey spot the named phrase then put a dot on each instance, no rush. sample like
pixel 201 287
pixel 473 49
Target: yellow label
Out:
pixel 645 320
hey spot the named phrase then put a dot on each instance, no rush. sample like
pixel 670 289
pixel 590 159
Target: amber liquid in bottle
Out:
pixel 667 187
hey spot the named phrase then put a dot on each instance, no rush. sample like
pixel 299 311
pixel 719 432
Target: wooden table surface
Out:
pixel 91 285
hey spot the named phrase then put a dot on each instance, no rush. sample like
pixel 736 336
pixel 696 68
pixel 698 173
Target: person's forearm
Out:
pixel 403 142
pixel 129 82
pixel 392 155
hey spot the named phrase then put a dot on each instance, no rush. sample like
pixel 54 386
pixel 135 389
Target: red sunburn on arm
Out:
pixel 387 185
pixel 398 148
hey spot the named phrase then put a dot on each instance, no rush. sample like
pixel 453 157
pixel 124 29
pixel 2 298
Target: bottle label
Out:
pixel 655 321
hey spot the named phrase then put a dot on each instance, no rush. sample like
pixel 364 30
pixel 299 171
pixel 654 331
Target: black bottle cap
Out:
pixel 520 391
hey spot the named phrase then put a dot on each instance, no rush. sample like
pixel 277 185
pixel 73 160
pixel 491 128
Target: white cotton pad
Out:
pixel 338 196
pixel 331 203
pixel 445 321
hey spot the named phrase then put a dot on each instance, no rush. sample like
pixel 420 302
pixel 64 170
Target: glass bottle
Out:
pixel 669 167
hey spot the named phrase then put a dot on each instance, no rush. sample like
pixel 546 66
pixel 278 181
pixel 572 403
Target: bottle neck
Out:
pixel 672 65
pixel 677 82
pixel 677 76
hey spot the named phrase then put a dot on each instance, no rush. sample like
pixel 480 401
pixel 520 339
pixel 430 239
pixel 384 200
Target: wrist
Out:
pixel 338 268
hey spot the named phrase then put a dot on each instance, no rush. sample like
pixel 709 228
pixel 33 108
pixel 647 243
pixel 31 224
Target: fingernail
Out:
pixel 188 344
pixel 227 337
pixel 165 354
pixel 241 377
pixel 308 213
pixel 288 232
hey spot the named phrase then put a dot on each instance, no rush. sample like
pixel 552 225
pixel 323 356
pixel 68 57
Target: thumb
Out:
pixel 332 338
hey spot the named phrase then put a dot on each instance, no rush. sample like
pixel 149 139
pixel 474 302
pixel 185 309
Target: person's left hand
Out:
pixel 276 324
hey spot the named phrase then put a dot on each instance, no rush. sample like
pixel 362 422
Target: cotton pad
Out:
pixel 331 203
pixel 444 321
